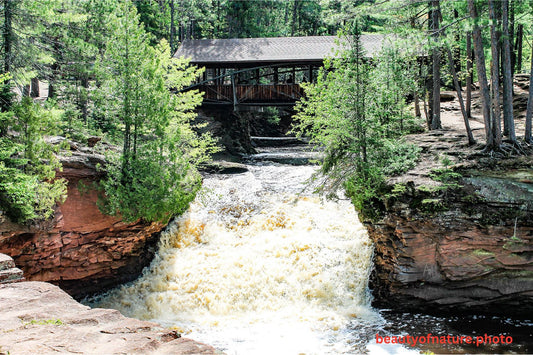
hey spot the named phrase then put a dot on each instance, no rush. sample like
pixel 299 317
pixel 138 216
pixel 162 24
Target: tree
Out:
pixel 529 111
pixel 356 117
pixel 435 17
pixel 28 188
pixel 495 78
pixel 25 51
pixel 469 74
pixel 457 85
pixel 509 130
pixel 155 175
pixel 482 77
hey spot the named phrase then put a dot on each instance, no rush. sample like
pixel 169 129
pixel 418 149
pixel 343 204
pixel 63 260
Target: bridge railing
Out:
pixel 280 93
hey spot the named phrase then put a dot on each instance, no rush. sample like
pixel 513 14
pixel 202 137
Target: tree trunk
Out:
pixel 507 76
pixel 417 104
pixel 294 15
pixel 84 95
pixel 457 48
pixel 428 81
pixel 435 121
pixel 511 35
pixel 6 94
pixel 469 74
pixel 529 111
pixel 482 75
pixel 172 28
pixel 495 77
pixel 518 46
pixel 428 85
pixel 460 98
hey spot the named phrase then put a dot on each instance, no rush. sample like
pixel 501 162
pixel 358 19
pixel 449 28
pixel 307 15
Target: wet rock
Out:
pixel 231 128
pixel 275 141
pixel 39 318
pixel 224 167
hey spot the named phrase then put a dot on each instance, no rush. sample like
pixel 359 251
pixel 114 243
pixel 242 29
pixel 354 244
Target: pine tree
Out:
pixel 155 176
pixel 355 111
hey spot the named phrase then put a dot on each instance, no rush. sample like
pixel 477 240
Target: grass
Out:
pixel 44 322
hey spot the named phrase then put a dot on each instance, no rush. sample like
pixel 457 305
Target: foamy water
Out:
pixel 258 265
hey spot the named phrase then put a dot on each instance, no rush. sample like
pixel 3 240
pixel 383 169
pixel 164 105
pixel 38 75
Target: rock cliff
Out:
pixel 81 250
pixel 39 318
pixel 460 244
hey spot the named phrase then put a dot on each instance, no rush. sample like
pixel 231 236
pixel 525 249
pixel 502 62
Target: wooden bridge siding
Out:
pixel 253 93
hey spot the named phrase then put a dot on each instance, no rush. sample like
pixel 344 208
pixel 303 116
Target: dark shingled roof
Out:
pixel 271 50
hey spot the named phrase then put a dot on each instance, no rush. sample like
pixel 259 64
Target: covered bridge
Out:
pixel 261 71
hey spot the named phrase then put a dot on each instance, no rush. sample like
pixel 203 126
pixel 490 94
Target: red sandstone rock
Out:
pixel 474 255
pixel 39 318
pixel 81 250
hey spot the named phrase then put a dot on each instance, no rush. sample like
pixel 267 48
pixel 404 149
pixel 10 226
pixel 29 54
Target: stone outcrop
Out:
pixel 8 271
pixel 81 250
pixel 39 318
pixel 230 127
pixel 466 248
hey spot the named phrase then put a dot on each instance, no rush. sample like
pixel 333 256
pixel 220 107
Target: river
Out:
pixel 261 265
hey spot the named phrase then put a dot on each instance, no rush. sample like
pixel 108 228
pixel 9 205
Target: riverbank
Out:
pixel 454 234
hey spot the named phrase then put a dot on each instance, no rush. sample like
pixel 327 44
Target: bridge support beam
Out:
pixel 234 92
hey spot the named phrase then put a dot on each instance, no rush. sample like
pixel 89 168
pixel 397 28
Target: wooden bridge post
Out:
pixel 234 92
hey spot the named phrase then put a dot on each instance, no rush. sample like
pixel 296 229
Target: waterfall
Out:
pixel 258 264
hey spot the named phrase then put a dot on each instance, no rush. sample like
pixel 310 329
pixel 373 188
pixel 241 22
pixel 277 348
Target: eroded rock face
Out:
pixel 470 251
pixel 81 250
pixel 39 318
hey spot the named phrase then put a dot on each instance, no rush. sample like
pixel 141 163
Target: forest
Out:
pixel 110 73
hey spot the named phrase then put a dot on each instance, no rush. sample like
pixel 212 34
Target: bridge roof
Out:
pixel 224 52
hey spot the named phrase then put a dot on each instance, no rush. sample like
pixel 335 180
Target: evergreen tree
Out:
pixel 154 177
pixel 28 188
pixel 343 112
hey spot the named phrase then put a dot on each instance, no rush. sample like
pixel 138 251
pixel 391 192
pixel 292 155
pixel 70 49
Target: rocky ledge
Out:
pixel 8 271
pixel 81 250
pixel 456 239
pixel 39 318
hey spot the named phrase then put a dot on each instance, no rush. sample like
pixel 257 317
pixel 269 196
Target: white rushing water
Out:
pixel 256 266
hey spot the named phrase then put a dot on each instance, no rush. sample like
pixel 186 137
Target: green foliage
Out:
pixel 45 322
pixel 356 113
pixel 28 188
pixel 448 178
pixel 272 115
pixel 432 205
pixel 154 177
pixel 397 157
pixel 398 190
pixel 25 51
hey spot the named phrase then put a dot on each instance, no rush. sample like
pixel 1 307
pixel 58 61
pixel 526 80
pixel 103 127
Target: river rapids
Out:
pixel 259 264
